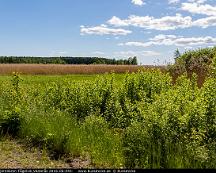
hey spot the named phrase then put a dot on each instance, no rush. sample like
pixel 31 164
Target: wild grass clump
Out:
pixel 98 142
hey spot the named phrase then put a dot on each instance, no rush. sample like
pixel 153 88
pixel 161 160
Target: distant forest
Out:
pixel 65 60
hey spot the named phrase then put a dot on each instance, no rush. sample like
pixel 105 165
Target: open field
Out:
pixel 42 80
pixel 138 120
pixel 58 69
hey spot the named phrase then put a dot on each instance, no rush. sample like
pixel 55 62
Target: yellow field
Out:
pixel 59 69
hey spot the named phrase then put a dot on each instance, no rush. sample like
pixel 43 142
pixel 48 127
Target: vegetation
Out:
pixel 135 120
pixel 65 60
pixel 145 122
pixel 59 69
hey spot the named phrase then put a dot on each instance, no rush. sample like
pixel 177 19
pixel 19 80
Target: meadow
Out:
pixel 132 120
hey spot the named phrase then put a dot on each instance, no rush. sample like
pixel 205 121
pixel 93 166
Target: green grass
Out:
pixel 44 79
pixel 61 135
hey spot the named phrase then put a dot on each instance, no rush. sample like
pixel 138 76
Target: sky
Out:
pixel 149 29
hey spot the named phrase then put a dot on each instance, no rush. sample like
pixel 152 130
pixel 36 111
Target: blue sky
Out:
pixel 148 29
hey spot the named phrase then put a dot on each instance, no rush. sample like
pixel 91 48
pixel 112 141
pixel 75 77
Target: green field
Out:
pixel 43 79
pixel 138 120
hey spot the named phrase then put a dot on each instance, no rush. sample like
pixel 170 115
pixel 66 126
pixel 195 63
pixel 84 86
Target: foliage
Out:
pixel 142 122
pixel 213 66
pixel 65 60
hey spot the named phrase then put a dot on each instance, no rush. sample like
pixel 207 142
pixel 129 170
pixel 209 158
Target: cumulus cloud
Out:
pixel 205 22
pixel 169 40
pixel 103 30
pixel 117 22
pixel 148 22
pixel 166 22
pixel 138 2
pixel 197 7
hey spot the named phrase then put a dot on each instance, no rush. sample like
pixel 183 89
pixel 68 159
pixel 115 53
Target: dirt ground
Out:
pixel 13 154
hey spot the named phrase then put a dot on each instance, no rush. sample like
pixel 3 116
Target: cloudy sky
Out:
pixel 148 29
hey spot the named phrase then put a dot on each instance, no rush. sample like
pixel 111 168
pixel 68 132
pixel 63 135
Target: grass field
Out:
pixel 34 80
pixel 59 69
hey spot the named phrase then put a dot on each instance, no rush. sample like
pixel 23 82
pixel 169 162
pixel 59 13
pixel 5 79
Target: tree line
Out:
pixel 66 60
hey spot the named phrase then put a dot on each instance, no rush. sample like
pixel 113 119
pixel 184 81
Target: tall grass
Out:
pixel 59 69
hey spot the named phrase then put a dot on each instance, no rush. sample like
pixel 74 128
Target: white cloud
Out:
pixel 138 2
pixel 137 53
pixel 147 22
pixel 198 1
pixel 137 44
pixel 205 22
pixel 173 1
pixel 199 8
pixel 103 30
pixel 169 40
pixel 166 22
pixel 117 22
pixel 189 41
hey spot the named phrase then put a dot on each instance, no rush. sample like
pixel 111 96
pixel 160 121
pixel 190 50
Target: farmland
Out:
pixel 59 69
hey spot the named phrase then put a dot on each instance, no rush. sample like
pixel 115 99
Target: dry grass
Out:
pixel 59 69
pixel 15 155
